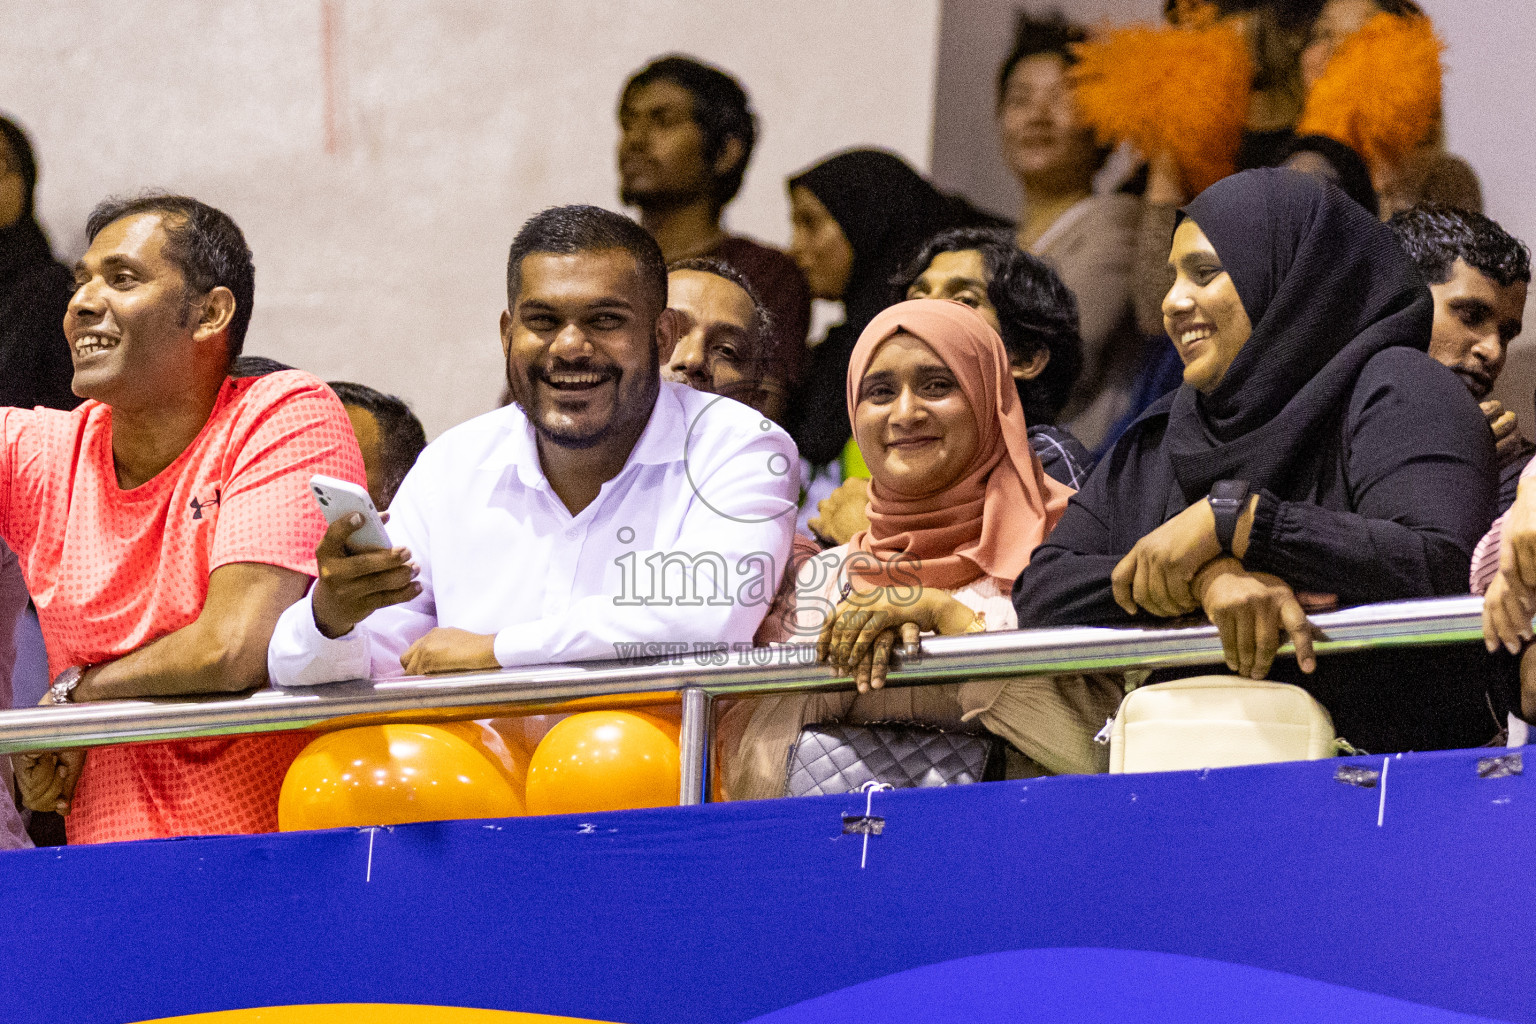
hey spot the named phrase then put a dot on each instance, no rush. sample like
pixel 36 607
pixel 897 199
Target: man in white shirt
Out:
pixel 604 509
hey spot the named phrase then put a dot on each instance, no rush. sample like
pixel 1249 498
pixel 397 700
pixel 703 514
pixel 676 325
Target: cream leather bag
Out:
pixel 1217 722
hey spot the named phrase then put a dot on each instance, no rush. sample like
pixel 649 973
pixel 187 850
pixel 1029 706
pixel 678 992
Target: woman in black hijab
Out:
pixel 1314 451
pixel 35 364
pixel 858 217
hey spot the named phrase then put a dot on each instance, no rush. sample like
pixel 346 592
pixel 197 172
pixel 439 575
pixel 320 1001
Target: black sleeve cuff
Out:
pixel 1261 537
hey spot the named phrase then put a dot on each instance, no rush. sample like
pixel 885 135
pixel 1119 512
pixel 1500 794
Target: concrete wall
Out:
pixel 380 154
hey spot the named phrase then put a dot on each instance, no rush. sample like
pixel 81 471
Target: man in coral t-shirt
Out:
pixel 165 523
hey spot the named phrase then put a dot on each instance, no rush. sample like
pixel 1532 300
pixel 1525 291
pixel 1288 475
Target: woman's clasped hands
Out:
pixel 1159 572
pixel 860 633
pixel 1180 568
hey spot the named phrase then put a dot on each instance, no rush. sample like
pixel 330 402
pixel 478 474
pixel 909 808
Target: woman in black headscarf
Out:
pixel 1313 451
pixel 35 364
pixel 858 217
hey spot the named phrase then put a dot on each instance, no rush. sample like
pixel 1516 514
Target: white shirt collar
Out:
pixel 663 441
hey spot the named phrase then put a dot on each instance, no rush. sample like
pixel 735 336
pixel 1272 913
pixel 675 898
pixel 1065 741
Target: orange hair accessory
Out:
pixel 1179 90
pixel 1380 93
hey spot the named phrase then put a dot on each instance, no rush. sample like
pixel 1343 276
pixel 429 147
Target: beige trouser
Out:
pixel 1052 720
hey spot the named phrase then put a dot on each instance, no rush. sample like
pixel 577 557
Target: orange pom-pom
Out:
pixel 1175 90
pixel 1380 93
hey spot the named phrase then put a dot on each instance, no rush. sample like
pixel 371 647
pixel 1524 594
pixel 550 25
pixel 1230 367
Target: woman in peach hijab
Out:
pixel 958 502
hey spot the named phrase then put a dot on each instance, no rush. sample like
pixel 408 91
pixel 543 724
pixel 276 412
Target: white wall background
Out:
pixel 380 154
pixel 381 177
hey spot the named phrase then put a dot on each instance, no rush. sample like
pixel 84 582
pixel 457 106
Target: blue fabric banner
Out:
pixel 1275 893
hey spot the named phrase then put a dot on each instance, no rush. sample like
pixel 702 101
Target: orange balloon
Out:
pixel 671 725
pixel 524 732
pixel 390 775
pixel 512 761
pixel 672 714
pixel 605 761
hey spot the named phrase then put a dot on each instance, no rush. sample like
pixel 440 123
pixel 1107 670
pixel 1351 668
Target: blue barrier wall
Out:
pixel 1256 894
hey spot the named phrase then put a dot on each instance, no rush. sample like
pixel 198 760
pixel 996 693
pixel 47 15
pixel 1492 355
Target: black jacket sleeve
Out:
pixel 1422 480
pixel 1067 579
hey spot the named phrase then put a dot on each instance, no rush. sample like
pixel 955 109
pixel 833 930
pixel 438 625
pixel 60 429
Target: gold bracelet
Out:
pixel 978 624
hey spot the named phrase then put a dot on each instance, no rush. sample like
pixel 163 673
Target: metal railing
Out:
pixel 696 679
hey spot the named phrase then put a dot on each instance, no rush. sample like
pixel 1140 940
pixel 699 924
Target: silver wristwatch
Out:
pixel 64 685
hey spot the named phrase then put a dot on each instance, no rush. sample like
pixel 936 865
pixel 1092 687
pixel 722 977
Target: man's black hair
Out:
pixel 566 230
pixel 400 432
pixel 255 366
pixel 1275 37
pixel 1350 170
pixel 1291 15
pixel 762 322
pixel 1036 311
pixel 1401 8
pixel 1052 35
pixel 204 243
pixel 21 159
pixel 721 109
pixel 1435 237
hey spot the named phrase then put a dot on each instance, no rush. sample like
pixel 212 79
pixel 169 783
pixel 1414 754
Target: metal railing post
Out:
pixel 693 744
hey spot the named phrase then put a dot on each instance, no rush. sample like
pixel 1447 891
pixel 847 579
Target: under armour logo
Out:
pixel 198 506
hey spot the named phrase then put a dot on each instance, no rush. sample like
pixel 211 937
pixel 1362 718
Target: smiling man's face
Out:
pixel 130 324
pixel 581 346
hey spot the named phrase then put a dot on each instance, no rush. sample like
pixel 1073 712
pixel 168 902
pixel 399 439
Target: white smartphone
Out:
pixel 337 498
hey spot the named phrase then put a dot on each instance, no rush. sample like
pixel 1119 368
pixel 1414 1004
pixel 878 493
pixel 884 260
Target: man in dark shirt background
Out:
pixel 1479 274
pixel 686 132
pixel 35 367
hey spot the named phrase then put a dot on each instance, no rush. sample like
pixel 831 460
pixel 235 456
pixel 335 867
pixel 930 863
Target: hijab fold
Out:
pixel 1327 287
pixel 991 520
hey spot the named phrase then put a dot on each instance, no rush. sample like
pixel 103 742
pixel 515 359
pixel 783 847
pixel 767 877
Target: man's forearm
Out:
pixel 183 662
pixel 223 651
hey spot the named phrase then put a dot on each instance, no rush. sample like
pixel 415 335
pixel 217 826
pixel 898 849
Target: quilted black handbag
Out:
pixel 833 758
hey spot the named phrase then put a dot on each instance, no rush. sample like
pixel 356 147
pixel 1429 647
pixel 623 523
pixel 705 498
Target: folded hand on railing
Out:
pixel 446 649
pixel 1507 610
pixel 1158 571
pixel 1250 609
pixel 1511 597
pixel 47 779
pixel 861 631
